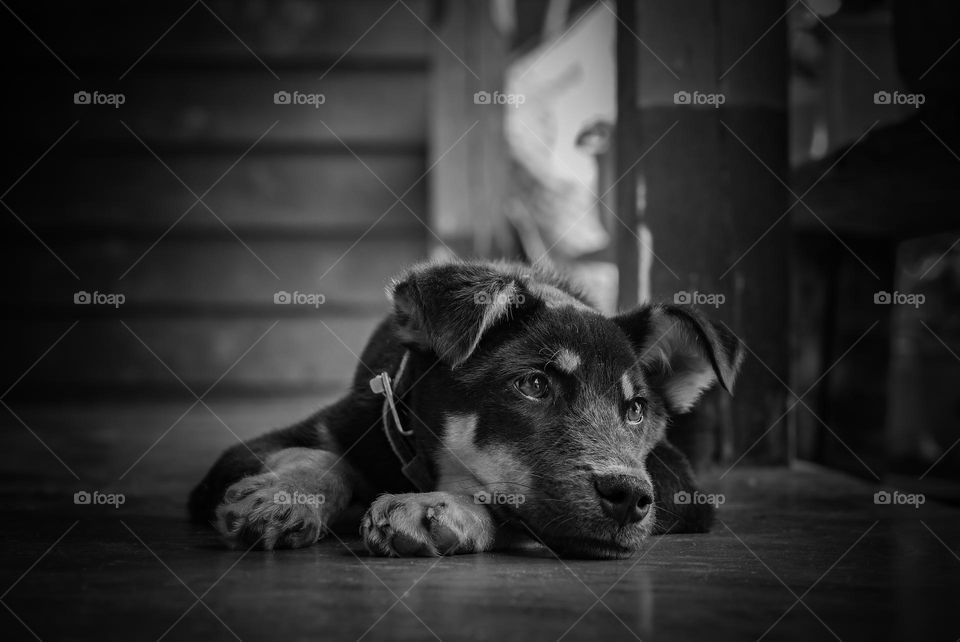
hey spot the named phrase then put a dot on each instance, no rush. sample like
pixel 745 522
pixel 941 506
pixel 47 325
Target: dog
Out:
pixel 494 406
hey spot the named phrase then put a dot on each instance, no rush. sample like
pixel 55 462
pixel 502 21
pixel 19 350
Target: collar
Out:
pixel 402 439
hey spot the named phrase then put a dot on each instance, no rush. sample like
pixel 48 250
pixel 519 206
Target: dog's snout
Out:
pixel 624 498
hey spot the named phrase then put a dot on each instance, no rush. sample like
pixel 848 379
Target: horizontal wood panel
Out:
pixel 206 272
pixel 297 193
pixel 367 107
pixel 319 218
pixel 273 30
pixel 99 353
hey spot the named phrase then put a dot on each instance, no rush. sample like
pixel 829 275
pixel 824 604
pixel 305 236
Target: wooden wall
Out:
pixel 300 198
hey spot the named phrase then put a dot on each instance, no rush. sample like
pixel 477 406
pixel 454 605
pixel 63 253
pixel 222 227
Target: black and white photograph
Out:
pixel 482 320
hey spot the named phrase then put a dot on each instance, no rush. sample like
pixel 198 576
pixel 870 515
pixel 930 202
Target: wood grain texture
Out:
pixel 263 192
pixel 272 29
pixel 302 199
pixel 777 529
pixel 467 137
pixel 714 192
pixel 246 352
pixel 211 271
pixel 234 105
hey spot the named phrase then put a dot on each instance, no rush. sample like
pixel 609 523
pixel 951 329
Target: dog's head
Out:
pixel 548 409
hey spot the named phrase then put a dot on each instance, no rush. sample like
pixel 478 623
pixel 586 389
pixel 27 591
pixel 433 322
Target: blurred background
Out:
pixel 203 203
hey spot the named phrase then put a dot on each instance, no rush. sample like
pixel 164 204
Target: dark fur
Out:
pixel 466 346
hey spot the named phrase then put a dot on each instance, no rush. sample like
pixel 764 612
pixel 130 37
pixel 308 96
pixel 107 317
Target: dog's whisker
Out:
pixel 661 509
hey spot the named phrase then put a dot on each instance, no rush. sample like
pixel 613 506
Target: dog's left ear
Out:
pixel 447 308
pixel 682 352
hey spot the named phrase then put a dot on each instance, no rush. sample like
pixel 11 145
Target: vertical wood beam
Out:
pixel 467 184
pixel 715 192
pixel 625 149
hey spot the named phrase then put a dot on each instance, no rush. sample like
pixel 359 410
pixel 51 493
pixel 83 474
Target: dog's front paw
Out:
pixel 266 511
pixel 426 524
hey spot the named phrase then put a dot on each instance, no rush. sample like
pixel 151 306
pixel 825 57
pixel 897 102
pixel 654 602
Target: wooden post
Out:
pixel 468 178
pixel 625 149
pixel 714 188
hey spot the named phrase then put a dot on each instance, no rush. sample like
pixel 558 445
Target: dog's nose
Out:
pixel 625 498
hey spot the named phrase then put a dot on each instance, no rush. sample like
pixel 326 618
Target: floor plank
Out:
pixel 862 571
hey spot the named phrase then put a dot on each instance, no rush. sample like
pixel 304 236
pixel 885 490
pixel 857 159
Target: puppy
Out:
pixel 494 405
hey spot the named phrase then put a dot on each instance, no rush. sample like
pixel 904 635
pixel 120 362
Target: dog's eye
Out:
pixel 533 385
pixel 635 411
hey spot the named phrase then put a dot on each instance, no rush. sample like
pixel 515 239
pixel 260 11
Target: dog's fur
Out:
pixel 576 474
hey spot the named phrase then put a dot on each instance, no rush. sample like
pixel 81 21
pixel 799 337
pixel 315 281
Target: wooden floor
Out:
pixel 802 554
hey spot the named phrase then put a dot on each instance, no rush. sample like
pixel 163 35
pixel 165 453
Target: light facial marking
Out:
pixel 627 386
pixel 466 468
pixel 495 309
pixel 567 360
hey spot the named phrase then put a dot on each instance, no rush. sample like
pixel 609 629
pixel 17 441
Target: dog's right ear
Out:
pixel 447 308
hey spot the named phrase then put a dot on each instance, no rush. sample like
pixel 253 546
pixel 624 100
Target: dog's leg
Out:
pixel 299 492
pixel 671 474
pixel 249 458
pixel 279 490
pixel 437 523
